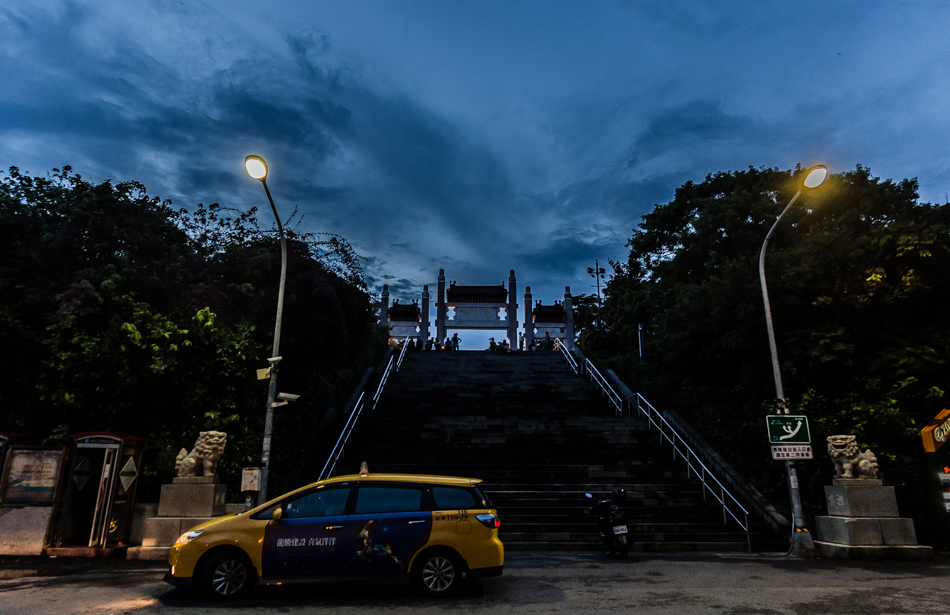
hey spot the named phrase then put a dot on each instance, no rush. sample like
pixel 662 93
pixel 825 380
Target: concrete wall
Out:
pixel 23 530
pixel 139 515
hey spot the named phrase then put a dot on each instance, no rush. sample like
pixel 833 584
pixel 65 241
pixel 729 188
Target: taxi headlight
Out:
pixel 188 537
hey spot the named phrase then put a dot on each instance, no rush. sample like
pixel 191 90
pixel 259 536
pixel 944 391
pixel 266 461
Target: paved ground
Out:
pixel 532 583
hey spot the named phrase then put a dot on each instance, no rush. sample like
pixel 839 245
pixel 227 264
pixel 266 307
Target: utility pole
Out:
pixel 597 272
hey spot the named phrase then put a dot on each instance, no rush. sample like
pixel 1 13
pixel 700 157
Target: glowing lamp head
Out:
pixel 815 176
pixel 256 167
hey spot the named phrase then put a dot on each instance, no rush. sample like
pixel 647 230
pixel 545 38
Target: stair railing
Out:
pixel 362 403
pixel 594 374
pixel 730 505
pixel 567 355
pixel 695 466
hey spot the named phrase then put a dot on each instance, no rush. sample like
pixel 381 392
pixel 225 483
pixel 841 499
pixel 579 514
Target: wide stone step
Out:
pixel 594 545
pixel 583 481
pixel 582 478
pixel 680 524
pixel 591 534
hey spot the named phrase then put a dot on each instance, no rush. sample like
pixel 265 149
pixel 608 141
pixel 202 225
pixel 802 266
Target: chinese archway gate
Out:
pixel 460 307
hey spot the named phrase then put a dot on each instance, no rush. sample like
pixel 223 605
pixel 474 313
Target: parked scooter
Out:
pixel 612 522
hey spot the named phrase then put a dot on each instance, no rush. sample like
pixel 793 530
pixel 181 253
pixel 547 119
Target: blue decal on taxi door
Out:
pixel 384 543
pixel 387 527
pixel 307 541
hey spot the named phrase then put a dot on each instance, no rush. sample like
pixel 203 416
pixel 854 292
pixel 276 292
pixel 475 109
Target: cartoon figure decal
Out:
pixel 370 551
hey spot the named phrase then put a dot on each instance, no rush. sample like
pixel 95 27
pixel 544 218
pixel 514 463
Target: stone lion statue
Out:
pixel 203 460
pixel 850 462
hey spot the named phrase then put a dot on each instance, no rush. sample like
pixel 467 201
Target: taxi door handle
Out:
pixel 332 528
pixel 417 522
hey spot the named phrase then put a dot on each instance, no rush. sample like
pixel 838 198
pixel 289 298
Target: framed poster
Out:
pixel 30 477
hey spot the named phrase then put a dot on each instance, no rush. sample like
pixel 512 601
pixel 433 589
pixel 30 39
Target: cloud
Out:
pixel 475 140
pixel 681 129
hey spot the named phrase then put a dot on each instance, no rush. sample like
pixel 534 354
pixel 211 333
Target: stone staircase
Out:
pixel 540 437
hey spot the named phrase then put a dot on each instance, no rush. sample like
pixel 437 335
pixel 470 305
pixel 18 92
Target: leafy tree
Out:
pixel 126 315
pixel 856 274
pixel 586 313
pixel 591 330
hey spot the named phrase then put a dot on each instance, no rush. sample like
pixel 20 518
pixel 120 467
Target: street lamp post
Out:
pixel 257 168
pixel 802 544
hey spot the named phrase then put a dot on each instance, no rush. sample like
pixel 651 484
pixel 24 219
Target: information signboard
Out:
pixel 788 429
pixel 791 451
pixel 31 476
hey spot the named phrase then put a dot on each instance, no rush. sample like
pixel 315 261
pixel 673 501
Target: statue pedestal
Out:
pixel 192 497
pixel 863 522
pixel 185 503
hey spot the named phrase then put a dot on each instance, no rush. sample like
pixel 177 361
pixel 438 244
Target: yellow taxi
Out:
pixel 437 530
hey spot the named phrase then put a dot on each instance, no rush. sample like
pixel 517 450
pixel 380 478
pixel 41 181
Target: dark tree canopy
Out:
pixel 857 278
pixel 120 313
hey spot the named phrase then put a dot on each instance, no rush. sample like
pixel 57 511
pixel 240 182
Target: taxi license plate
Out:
pixel 620 529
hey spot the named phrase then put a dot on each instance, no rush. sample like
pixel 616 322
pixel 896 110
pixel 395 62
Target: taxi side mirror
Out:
pixel 276 515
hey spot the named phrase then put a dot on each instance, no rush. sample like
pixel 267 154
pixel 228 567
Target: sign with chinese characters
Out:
pixel 306 542
pixel 788 429
pixel 791 451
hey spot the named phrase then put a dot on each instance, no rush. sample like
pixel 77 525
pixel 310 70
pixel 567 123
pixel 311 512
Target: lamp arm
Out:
pixel 283 272
pixel 776 372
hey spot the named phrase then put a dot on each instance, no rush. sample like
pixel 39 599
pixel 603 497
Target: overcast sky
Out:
pixel 473 136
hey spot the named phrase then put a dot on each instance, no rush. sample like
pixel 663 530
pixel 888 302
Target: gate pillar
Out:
pixel 441 310
pixel 528 319
pixel 512 310
pixel 569 318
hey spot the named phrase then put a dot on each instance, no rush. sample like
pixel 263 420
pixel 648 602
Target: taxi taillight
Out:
pixel 489 520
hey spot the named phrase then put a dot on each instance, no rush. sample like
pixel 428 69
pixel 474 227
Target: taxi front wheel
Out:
pixel 439 573
pixel 226 576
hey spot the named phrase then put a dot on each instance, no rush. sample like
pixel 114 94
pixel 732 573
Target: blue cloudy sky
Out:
pixel 475 136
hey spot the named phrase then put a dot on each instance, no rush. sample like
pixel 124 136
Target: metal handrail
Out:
pixel 337 453
pixel 693 463
pixel 567 355
pixel 605 387
pixel 402 353
pixel 705 475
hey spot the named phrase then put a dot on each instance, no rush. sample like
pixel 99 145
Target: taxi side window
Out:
pixel 267 513
pixel 388 500
pixel 453 498
pixel 319 503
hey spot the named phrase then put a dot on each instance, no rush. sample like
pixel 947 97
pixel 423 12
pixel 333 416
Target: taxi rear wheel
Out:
pixel 227 575
pixel 439 573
